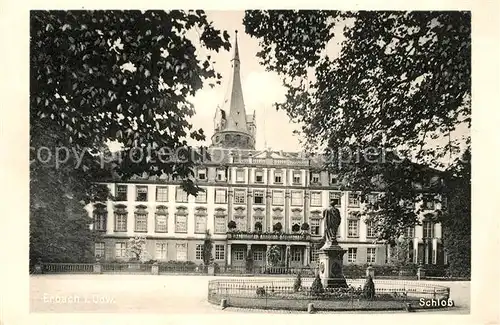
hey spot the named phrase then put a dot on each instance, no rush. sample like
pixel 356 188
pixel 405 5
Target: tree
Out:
pixel 456 222
pixel 401 79
pixel 207 248
pixel 400 253
pixel 137 249
pixel 274 255
pixel 100 76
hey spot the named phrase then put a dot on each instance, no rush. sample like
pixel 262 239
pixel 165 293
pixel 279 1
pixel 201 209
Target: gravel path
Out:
pixel 86 293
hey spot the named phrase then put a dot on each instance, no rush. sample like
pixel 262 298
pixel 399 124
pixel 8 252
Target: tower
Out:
pixel 233 128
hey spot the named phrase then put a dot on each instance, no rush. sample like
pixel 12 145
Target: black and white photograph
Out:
pixel 258 161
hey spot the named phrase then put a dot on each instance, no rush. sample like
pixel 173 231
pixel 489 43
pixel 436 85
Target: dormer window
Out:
pixel 315 178
pixel 202 174
pixel 221 175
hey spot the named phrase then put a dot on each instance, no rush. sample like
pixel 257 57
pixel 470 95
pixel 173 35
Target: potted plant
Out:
pixel 305 228
pixel 231 225
pixel 277 227
pixel 258 227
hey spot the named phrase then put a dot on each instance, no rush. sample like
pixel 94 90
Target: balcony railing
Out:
pixel 268 236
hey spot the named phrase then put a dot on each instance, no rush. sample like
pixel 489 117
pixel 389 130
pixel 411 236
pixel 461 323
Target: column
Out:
pixel 306 206
pixel 267 252
pixel 249 209
pixel 306 255
pixel 287 254
pixel 426 251
pixel 228 254
pixel 388 260
pixel 415 250
pixel 434 250
pixel 230 193
pixel 268 210
pixel 286 226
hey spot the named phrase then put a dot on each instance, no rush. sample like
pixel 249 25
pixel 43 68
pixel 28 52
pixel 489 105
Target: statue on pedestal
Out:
pixel 331 217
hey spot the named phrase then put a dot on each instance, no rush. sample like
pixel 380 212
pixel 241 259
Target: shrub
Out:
pixel 297 285
pixel 295 228
pixel 258 226
pixel 261 292
pixel 369 288
pixel 305 226
pixel 317 286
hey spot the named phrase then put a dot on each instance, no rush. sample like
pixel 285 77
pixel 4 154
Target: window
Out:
pixel 258 197
pixel 371 230
pixel 239 254
pixel 315 226
pixel 297 197
pixel 141 194
pixel 428 228
pixel 201 196
pixel 296 255
pixel 316 199
pixel 296 177
pixel 314 253
pixel 161 251
pixel 333 179
pixel 278 198
pixel 429 204
pixel 410 232
pixel 162 193
pixel 161 224
pixel 220 196
pixel 221 175
pixel 181 252
pixel 278 176
pixel 315 178
pixel 239 196
pixel 240 176
pixel 258 255
pixel 220 224
pixel 352 228
pixel 220 251
pixel 100 220
pixel 199 252
pixel 353 199
pixel 181 221
pixel 121 193
pixel 200 223
pixel 121 250
pixel 334 197
pixel 259 176
pixel 99 250
pixel 351 255
pixel 121 221
pixel 202 174
pixel 141 221
pixel 370 255
pixel 180 195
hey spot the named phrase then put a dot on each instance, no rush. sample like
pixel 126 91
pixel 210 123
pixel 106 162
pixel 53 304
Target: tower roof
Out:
pixel 234 105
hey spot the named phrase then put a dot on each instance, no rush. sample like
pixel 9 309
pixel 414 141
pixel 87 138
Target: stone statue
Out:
pixel 331 217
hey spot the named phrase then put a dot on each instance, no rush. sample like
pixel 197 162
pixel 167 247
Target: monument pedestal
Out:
pixel 330 266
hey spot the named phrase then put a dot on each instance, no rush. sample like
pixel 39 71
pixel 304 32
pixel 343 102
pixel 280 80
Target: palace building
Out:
pixel 261 191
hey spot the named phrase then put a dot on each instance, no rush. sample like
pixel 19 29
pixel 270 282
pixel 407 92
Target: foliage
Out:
pixel 295 228
pixel 305 226
pixel 207 248
pixel 274 255
pixel 456 223
pixel 261 292
pixel 399 255
pixel 99 76
pixel 277 227
pixel 317 286
pixel 137 249
pixel 231 225
pixel 400 80
pixel 258 226
pixel 297 284
pixel 369 288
